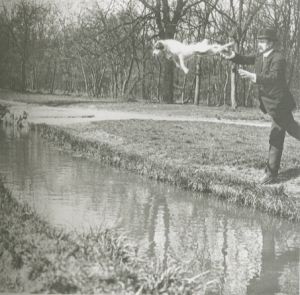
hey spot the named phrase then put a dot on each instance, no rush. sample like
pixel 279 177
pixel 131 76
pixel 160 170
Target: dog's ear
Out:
pixel 159 45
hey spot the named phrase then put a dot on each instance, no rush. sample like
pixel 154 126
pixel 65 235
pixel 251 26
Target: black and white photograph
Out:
pixel 150 147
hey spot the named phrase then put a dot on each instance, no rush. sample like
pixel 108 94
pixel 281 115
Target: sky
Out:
pixel 71 6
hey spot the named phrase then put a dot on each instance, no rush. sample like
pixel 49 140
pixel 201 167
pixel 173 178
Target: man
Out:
pixel 274 95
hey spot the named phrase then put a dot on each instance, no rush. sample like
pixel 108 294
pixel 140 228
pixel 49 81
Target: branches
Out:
pixel 120 41
pixel 152 8
pixel 190 6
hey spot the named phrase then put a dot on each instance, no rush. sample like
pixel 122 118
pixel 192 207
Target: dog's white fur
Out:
pixel 180 52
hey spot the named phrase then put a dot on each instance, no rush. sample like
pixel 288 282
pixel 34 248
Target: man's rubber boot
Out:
pixel 272 166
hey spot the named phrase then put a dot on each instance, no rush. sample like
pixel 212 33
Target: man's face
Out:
pixel 264 45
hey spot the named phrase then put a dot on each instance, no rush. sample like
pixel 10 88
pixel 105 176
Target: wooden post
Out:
pixel 233 87
pixel 233 82
pixel 183 89
pixel 197 87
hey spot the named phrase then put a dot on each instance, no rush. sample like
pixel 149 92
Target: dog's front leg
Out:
pixel 182 65
pixel 176 61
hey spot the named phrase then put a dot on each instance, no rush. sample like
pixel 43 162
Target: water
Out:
pixel 248 252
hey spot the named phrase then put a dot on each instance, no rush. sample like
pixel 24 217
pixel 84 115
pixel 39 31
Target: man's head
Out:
pixel 266 39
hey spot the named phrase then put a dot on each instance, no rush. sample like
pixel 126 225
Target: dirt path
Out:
pixel 79 114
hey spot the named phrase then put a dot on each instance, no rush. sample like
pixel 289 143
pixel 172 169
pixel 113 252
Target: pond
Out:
pixel 247 251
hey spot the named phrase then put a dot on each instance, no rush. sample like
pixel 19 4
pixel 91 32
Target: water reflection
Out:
pixel 248 252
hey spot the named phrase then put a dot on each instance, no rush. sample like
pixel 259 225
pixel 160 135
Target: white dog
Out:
pixel 179 52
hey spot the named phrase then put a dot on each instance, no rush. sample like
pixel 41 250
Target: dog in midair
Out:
pixel 180 52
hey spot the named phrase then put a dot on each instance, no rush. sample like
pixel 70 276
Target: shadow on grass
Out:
pixel 289 174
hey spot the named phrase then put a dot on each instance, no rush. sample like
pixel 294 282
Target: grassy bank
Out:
pixel 226 160
pixel 216 159
pixel 40 259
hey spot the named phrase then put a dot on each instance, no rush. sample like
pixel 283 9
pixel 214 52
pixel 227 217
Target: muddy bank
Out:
pixel 213 182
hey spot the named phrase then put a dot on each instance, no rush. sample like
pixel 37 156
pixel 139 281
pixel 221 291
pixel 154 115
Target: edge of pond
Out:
pixel 270 199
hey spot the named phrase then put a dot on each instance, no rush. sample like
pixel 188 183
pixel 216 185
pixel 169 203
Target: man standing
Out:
pixel 274 95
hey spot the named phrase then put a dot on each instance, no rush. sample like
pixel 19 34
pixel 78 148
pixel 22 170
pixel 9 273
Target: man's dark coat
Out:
pixel 273 91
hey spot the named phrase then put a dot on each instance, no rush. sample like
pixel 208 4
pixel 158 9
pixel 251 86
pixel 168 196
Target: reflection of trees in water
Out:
pixel 157 220
pixel 224 254
pixel 235 249
pixel 273 267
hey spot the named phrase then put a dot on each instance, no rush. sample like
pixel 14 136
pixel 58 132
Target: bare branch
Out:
pixel 223 13
pixel 146 4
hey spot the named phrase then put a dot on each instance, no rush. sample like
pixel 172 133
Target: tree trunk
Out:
pixel 198 81
pixel 127 79
pixel 233 87
pixel 53 77
pixel 144 94
pixel 225 87
pixel 23 70
pixel 183 89
pixel 159 83
pixel 100 85
pixel 84 75
pixel 168 77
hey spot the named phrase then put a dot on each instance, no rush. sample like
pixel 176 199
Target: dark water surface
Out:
pixel 248 252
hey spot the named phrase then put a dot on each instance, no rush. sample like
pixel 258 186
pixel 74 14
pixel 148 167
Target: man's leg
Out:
pixel 293 127
pixel 276 141
pixel 286 120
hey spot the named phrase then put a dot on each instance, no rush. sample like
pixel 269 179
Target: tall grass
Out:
pixel 38 258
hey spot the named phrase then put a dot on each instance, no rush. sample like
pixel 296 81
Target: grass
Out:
pixel 202 165
pixel 191 145
pixel 38 258
pixel 177 109
pixel 226 160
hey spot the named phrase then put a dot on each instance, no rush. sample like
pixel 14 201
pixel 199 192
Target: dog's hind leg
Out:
pixel 220 48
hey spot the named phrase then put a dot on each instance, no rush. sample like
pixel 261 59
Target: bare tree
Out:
pixel 168 15
pixel 23 24
pixel 240 16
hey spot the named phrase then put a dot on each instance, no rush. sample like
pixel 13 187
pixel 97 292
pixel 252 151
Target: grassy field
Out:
pixel 37 258
pixel 192 146
pixel 223 112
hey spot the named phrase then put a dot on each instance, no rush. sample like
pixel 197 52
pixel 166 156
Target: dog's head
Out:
pixel 158 48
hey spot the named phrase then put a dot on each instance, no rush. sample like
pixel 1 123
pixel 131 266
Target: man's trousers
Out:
pixel 283 121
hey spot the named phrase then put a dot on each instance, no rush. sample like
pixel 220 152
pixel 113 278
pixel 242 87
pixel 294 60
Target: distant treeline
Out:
pixel 107 52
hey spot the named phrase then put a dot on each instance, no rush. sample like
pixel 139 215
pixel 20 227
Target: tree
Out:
pixel 240 16
pixel 168 15
pixel 23 25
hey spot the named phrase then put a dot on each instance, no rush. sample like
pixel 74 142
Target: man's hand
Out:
pixel 247 75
